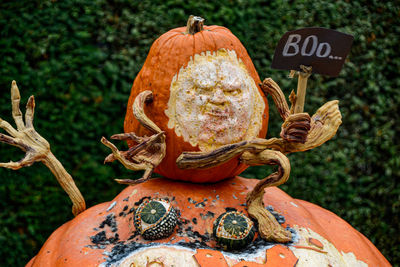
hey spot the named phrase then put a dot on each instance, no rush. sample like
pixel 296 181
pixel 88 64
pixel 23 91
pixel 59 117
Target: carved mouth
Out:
pixel 217 112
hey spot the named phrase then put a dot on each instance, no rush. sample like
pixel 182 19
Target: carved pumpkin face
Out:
pixel 206 95
pixel 214 101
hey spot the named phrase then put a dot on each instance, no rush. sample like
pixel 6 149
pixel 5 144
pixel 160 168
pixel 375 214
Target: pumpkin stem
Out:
pixel 194 25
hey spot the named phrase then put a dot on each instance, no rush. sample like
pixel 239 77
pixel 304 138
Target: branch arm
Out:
pixel 204 160
pixel 269 228
pixel 324 125
pixel 272 88
pixel 149 151
pixel 66 182
pixel 138 111
pixel 36 148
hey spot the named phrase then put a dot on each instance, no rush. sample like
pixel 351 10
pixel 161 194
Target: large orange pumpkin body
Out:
pixel 321 236
pixel 168 54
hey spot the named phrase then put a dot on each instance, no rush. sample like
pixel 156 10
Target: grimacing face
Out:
pixel 214 101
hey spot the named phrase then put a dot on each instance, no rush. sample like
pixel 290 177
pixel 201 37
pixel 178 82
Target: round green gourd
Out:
pixel 155 219
pixel 233 230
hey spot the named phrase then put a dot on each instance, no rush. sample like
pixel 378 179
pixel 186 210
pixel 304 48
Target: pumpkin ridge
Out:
pixel 213 37
pixel 167 37
pixel 154 87
pixel 163 46
pixel 175 43
pixel 217 28
pixel 203 36
pixel 231 47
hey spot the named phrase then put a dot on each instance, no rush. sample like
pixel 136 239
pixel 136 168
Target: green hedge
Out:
pixel 79 59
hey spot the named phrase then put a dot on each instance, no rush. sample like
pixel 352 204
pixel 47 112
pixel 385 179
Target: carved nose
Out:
pixel 218 97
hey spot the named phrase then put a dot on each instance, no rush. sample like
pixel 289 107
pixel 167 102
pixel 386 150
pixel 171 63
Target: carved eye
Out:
pixel 233 230
pixel 208 91
pixel 235 92
pixel 155 219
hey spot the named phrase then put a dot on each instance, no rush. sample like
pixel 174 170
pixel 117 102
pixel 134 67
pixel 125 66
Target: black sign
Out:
pixel 323 49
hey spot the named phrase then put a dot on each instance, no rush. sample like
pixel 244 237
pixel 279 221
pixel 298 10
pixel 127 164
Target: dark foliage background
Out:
pixel 79 59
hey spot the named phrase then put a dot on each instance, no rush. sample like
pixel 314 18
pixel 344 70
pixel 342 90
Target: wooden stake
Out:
pixel 301 88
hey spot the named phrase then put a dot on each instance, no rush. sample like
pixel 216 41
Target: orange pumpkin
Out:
pixel 174 57
pixel 104 234
pixel 206 94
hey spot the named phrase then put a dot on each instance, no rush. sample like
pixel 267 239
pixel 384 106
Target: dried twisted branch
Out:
pixel 299 133
pixel 295 126
pixel 149 151
pixel 36 148
pixel 270 87
pixel 323 126
pixel 268 227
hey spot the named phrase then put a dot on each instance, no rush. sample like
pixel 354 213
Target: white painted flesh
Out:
pixel 307 254
pixel 214 101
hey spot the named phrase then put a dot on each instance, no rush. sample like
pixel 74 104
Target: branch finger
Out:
pixel 16 112
pixel 145 144
pixel 8 128
pixel 128 136
pixel 272 88
pixel 30 112
pixel 11 165
pixel 13 141
pixel 146 176
pixel 109 158
pixel 120 157
pixel 136 149
pixel 138 111
pixel 27 161
pixel 297 134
